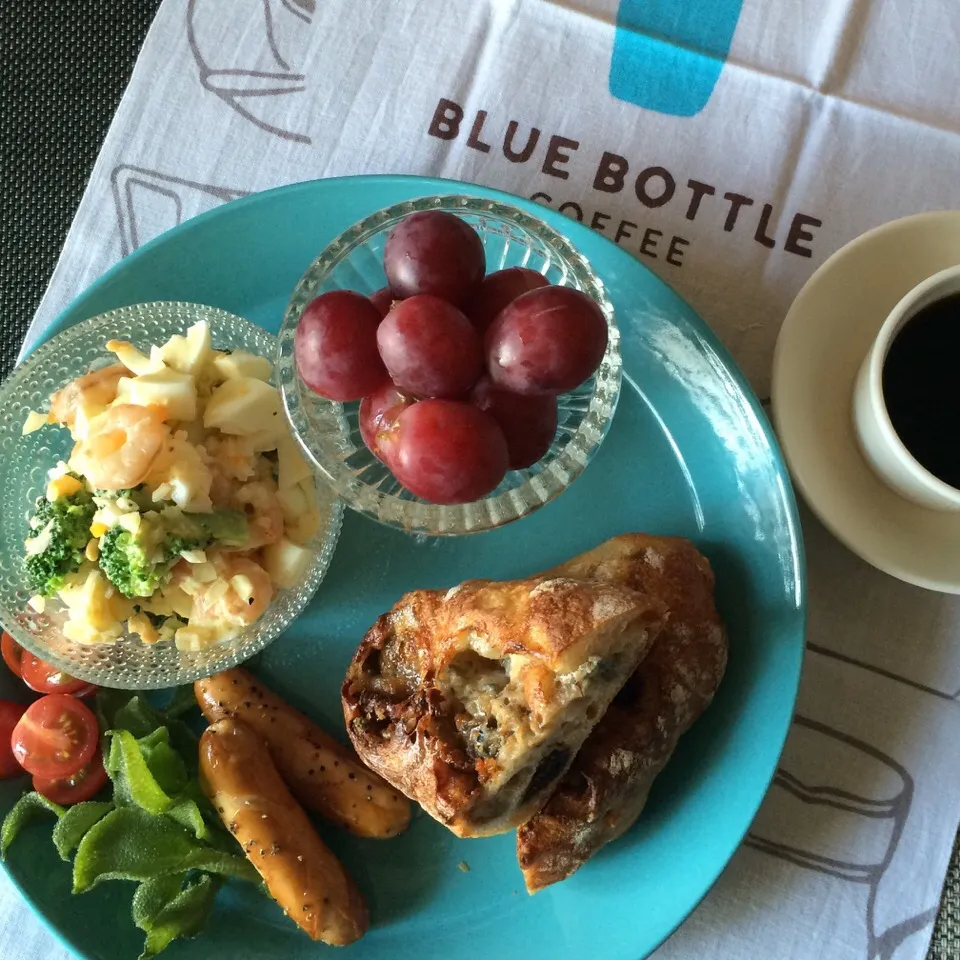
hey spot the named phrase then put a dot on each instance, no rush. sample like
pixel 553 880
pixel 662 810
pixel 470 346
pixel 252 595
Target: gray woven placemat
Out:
pixel 66 63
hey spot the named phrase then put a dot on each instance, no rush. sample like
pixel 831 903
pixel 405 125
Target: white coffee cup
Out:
pixel 881 446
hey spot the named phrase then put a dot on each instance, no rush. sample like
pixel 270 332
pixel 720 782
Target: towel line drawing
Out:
pixel 889 813
pixel 241 87
pixel 880 671
pixel 126 180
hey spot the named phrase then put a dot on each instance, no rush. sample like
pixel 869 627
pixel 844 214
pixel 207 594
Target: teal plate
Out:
pixel 689 453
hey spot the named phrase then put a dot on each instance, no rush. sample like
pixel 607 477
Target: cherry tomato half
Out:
pixel 46 678
pixel 10 714
pixel 12 653
pixel 55 737
pixel 83 785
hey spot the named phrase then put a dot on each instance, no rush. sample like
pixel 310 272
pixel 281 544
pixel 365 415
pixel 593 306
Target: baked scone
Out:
pixel 474 701
pixel 606 787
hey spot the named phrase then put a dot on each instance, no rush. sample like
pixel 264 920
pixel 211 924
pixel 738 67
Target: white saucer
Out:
pixel 821 345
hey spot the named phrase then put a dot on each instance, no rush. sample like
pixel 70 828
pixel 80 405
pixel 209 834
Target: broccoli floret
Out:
pixel 68 520
pixel 126 563
pixel 136 564
pixel 175 545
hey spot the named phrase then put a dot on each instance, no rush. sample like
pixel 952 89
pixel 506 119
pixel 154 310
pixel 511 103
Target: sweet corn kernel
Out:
pixel 63 486
pixel 92 551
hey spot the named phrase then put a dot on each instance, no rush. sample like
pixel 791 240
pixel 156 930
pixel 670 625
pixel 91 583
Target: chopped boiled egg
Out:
pixel 133 359
pixel 140 624
pixel 243 364
pixel 292 467
pixel 286 562
pixel 95 603
pixel 109 512
pixel 180 475
pixel 34 422
pixel 190 353
pixel 244 406
pixel 197 637
pixel 304 528
pixel 39 543
pixel 173 392
pixel 293 502
pixel 129 521
pixel 242 586
pixel 204 572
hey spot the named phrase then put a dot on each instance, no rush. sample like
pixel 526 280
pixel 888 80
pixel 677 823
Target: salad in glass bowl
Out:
pixel 172 510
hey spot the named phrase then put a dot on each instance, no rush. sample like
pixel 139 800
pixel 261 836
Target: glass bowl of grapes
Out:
pixel 450 364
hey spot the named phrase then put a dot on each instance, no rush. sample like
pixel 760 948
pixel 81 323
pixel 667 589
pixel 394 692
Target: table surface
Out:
pixel 50 142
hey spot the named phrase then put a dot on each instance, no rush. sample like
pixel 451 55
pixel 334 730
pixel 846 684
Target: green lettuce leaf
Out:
pixel 28 808
pixel 131 844
pixel 186 812
pixel 148 773
pixel 74 824
pixel 163 761
pixel 165 918
pixel 152 896
pixel 106 705
pixel 182 701
pixel 138 717
pixel 133 782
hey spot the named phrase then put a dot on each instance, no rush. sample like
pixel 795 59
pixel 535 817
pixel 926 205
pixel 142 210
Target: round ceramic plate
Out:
pixel 689 453
pixel 822 343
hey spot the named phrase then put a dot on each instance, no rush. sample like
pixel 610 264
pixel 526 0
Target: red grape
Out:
pixel 447 451
pixel 382 300
pixel 547 341
pixel 336 346
pixel 498 290
pixel 529 423
pixel 430 348
pixel 434 252
pixel 378 412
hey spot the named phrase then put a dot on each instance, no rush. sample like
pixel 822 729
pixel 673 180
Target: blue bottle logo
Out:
pixel 668 54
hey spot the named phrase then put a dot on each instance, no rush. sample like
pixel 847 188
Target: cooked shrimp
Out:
pixel 98 388
pixel 121 446
pixel 239 596
pixel 221 489
pixel 234 456
pixel 264 514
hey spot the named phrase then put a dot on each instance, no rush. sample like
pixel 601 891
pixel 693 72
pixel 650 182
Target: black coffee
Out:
pixel 921 387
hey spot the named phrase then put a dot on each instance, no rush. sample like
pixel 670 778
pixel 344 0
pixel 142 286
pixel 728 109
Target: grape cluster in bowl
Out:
pixel 471 388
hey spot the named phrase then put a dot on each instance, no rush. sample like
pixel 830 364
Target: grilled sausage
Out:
pixel 323 774
pixel 302 875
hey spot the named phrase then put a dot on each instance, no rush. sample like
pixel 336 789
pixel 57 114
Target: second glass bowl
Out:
pixel 330 433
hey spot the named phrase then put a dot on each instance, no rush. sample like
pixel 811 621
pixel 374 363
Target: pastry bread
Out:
pixel 474 701
pixel 606 787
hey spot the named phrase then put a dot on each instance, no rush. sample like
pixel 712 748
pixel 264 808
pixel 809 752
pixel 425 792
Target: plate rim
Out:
pixel 415 183
pixel 797 465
